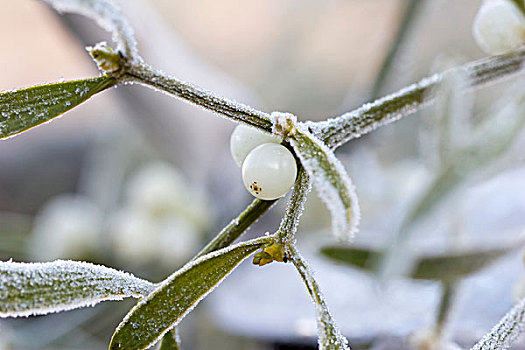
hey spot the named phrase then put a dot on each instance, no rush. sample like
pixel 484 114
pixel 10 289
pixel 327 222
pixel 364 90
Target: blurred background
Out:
pixel 139 181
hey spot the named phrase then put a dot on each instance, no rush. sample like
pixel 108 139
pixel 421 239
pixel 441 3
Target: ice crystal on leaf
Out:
pixel 42 288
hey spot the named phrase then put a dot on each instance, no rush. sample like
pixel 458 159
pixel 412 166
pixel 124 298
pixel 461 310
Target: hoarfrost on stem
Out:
pixel 330 338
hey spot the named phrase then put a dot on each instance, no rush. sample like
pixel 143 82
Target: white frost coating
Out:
pixel 283 124
pixel 342 203
pixel 506 331
pixel 41 288
pixel 107 15
pixel 330 338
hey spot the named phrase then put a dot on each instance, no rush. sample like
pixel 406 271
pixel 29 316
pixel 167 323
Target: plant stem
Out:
pixel 304 271
pixel 329 335
pixel 447 298
pixel 148 76
pixel 339 130
pixel 237 226
pixel 411 11
pixel 290 221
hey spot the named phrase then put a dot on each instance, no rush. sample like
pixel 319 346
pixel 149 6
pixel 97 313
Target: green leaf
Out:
pixel 361 258
pixel 40 288
pixel 177 295
pixel 450 267
pixel 24 109
pixel 446 267
pixel 330 179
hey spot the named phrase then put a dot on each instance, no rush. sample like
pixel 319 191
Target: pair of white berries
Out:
pixel 268 168
pixel 499 26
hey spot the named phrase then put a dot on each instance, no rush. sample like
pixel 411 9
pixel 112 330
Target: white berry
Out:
pixel 245 138
pixel 499 26
pixel 269 171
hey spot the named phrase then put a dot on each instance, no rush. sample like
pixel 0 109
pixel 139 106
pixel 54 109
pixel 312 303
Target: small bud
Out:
pixel 274 252
pixel 107 60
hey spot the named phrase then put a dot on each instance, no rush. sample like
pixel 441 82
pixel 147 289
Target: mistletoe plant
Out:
pixel 40 288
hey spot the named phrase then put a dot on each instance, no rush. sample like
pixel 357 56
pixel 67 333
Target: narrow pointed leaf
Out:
pixel 41 288
pixel 177 295
pixel 331 181
pixel 24 109
pixel 361 258
pixel 446 267
pixel 454 266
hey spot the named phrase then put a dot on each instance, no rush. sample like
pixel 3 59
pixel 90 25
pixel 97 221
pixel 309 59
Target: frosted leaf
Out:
pixel 330 338
pixel 41 288
pixel 331 181
pixel 107 15
pixel 24 109
pixel 178 294
pixel 506 331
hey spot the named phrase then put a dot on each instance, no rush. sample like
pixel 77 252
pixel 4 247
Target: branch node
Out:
pixel 109 61
pixel 283 124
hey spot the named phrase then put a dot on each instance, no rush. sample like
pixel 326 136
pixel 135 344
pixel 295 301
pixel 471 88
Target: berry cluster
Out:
pixel 268 168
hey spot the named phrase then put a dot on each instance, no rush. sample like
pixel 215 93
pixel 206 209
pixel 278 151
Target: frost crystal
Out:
pixel 41 288
pixel 107 15
pixel 506 331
